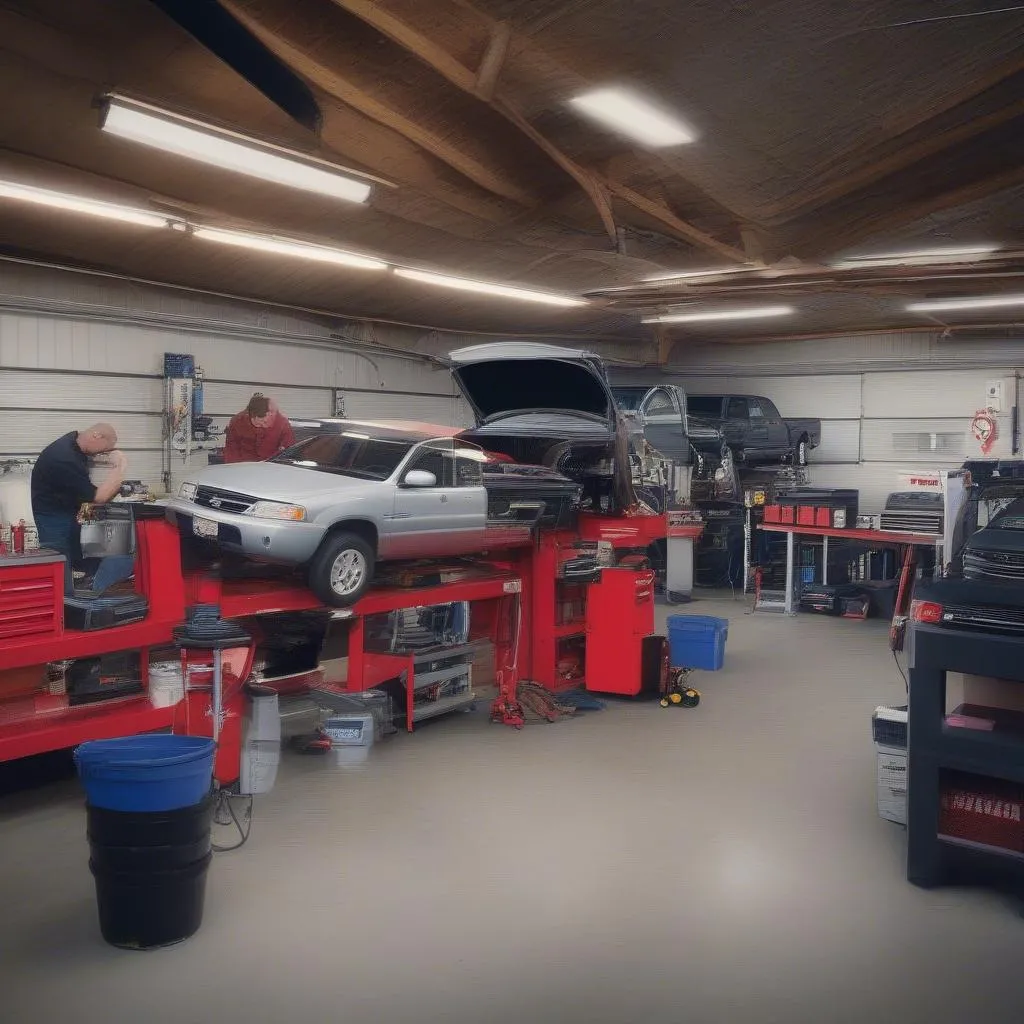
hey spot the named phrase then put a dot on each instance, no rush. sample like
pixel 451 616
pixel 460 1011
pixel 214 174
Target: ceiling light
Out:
pixel 985 302
pixel 484 288
pixel 173 133
pixel 80 204
pixel 753 313
pixel 917 257
pixel 685 275
pixel 289 247
pixel 633 116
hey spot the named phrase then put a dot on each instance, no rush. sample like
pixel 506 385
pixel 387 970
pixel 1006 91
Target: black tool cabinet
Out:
pixel 934 746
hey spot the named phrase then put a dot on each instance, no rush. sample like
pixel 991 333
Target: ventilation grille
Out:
pixel 924 441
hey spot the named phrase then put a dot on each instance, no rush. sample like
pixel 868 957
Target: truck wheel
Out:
pixel 800 455
pixel 342 569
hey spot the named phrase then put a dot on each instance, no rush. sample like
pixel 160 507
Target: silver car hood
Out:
pixel 276 481
pixel 526 376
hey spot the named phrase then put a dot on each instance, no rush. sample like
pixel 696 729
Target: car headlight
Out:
pixel 188 491
pixel 277 510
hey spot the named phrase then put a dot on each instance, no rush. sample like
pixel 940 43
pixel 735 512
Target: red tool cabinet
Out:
pixel 620 617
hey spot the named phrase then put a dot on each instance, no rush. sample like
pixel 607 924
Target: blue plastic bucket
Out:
pixel 146 773
pixel 697 641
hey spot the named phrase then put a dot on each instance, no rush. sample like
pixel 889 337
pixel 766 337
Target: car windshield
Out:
pixel 629 399
pixel 1012 517
pixel 347 454
pixel 704 405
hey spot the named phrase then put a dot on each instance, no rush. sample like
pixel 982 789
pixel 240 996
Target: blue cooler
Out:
pixel 697 641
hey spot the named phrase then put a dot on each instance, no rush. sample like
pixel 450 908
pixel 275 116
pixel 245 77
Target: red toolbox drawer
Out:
pixel 823 517
pixel 772 514
pixel 31 595
pixel 805 515
pixel 787 515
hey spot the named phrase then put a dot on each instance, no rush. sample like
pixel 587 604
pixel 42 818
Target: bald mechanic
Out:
pixel 61 484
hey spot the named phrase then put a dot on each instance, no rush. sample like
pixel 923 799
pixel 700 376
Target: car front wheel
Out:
pixel 342 569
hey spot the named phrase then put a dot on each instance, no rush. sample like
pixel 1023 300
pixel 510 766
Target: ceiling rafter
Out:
pixel 341 88
pixel 595 186
pixel 890 163
pixel 493 60
pixel 857 167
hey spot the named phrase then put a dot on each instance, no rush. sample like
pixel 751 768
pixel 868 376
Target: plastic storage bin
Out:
pixel 146 773
pixel 697 641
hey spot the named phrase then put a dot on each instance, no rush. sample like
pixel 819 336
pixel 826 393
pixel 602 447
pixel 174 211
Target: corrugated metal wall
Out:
pixel 75 349
pixel 888 404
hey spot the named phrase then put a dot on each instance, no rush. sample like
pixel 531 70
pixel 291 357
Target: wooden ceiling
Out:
pixel 822 129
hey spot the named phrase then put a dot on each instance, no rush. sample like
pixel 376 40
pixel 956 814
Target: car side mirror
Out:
pixel 419 478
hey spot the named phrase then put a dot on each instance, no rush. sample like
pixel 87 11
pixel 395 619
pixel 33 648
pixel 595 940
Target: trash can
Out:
pixel 150 811
pixel 158 772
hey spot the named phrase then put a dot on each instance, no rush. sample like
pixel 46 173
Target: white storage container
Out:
pixel 891 774
pixel 166 686
pixel 351 738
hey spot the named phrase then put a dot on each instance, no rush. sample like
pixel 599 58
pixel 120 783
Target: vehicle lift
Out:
pixel 537 618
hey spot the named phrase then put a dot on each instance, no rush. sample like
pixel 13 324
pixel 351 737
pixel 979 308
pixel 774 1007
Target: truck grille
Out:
pixel 994 565
pixel 223 501
pixel 1004 620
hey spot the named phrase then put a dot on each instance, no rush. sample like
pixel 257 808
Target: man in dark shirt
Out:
pixel 61 485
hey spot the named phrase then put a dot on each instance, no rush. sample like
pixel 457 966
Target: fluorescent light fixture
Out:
pixel 696 317
pixel 918 257
pixel 80 204
pixel 231 151
pixel 484 288
pixel 685 275
pixel 983 302
pixel 289 247
pixel 632 115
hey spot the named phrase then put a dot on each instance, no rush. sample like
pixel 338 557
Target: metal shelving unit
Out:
pixel 935 747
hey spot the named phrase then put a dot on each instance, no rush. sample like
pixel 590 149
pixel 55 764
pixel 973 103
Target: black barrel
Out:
pixel 150 828
pixel 150 871
pixel 147 909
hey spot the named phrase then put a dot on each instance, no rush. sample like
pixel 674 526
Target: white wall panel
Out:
pixel 930 393
pixel 445 411
pixel 221 399
pixel 35 389
pixel 27 433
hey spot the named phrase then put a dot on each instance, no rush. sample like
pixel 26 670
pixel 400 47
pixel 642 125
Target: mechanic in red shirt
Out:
pixel 258 432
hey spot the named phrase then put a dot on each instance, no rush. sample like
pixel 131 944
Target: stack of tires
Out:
pixel 150 812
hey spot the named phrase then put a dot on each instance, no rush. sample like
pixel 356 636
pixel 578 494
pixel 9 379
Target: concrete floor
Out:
pixel 717 865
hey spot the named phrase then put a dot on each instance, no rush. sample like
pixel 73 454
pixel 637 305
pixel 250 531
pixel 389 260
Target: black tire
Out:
pixel 326 576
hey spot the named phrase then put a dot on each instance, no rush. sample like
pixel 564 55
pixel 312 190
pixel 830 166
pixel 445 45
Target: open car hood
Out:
pixel 524 376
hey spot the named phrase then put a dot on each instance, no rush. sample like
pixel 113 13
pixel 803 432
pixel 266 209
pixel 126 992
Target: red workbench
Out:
pixel 516 613
pixel 880 538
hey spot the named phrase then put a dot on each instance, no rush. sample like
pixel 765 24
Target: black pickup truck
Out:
pixel 753 428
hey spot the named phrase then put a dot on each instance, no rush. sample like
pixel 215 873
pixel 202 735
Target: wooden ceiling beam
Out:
pixel 493 60
pixel 341 88
pixel 892 162
pixel 594 185
pixel 828 237
pixel 675 225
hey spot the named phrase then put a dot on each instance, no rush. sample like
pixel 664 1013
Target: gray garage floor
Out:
pixel 723 864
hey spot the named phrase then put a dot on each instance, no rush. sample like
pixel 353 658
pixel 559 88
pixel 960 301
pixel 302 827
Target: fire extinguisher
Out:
pixel 18 537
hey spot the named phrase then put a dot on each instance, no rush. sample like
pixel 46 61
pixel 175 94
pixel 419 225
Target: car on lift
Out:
pixel 352 494
pixel 753 428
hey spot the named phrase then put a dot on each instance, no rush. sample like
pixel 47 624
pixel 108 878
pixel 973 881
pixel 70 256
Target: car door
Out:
pixel 469 499
pixel 736 425
pixel 778 432
pixel 426 520
pixel 757 430
pixel 664 424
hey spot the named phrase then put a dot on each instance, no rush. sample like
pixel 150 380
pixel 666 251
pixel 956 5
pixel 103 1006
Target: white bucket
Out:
pixel 166 686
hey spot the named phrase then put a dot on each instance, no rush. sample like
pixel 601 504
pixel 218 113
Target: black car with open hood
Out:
pixel 549 406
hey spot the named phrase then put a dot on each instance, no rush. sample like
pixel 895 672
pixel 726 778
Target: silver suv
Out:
pixel 344 498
